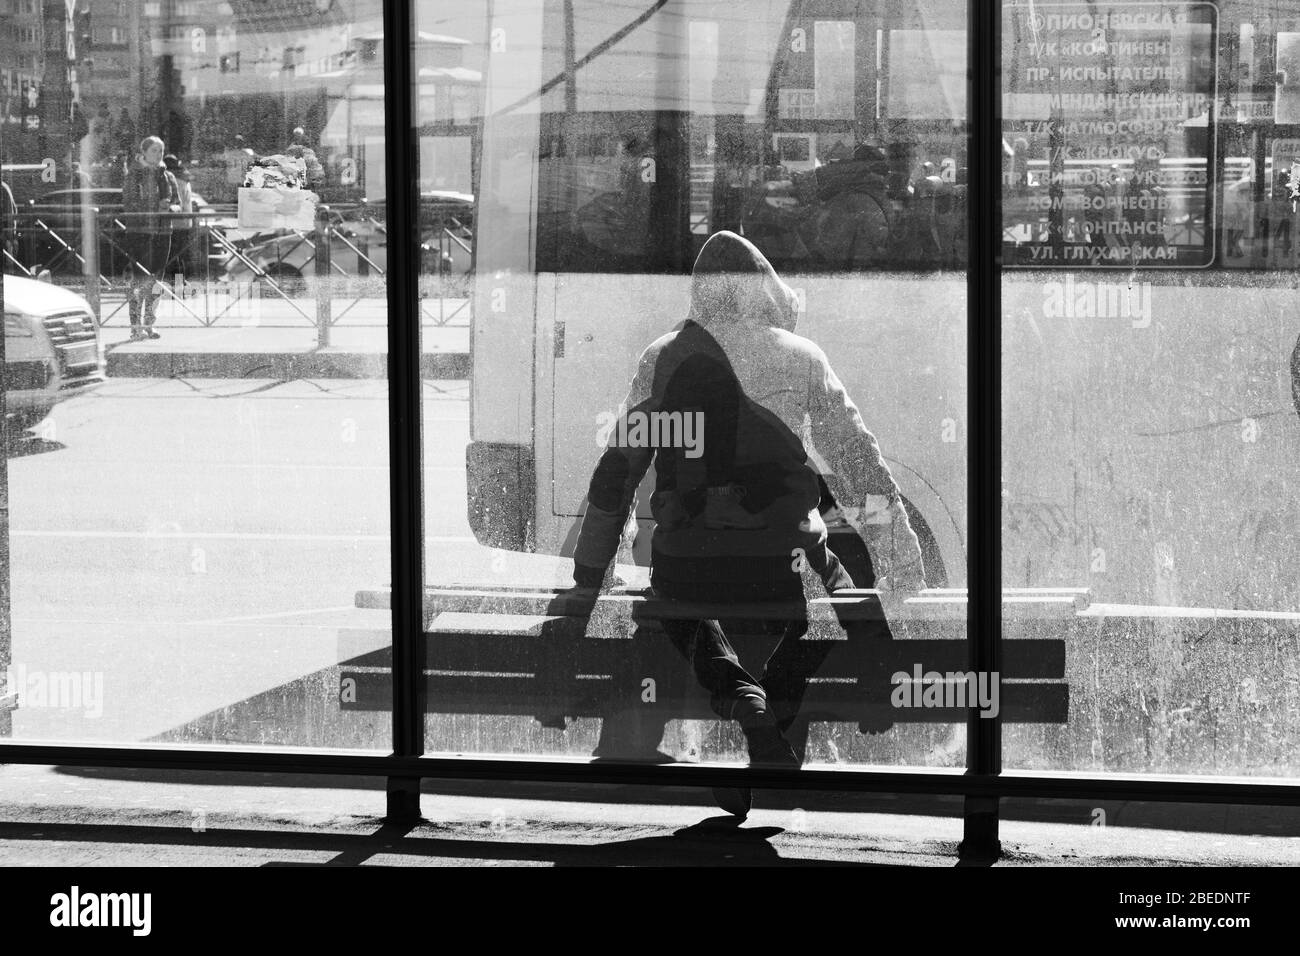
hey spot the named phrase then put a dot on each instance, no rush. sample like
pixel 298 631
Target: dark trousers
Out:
pixel 791 665
pixel 179 260
pixel 149 252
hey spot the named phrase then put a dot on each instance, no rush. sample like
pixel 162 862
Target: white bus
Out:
pixel 1151 448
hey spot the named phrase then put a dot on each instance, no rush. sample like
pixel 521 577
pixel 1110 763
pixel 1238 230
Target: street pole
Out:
pixel 323 298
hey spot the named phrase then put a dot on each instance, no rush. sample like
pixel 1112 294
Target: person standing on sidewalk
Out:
pixel 149 195
pixel 737 520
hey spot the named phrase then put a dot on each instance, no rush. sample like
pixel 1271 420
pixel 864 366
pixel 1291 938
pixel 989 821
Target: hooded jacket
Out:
pixel 727 408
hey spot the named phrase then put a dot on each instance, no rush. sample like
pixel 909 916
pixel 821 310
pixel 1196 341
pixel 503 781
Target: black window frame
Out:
pixel 983 782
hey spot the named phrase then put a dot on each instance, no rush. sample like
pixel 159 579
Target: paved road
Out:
pixel 201 543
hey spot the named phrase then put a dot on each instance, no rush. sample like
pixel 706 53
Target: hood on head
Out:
pixel 732 281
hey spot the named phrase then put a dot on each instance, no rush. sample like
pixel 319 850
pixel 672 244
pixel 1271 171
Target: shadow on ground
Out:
pixel 717 841
pixel 1191 818
pixel 23 444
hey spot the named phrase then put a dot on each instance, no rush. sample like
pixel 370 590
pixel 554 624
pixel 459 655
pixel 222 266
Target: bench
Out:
pixel 550 655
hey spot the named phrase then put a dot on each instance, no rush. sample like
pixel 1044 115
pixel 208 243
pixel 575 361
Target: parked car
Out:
pixel 52 348
pixel 359 245
pixel 51 230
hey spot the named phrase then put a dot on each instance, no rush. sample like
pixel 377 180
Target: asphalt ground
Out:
pixel 56 817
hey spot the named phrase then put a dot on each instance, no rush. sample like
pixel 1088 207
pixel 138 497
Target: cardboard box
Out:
pixel 277 207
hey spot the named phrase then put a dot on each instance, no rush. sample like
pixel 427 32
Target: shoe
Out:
pixel 735 800
pixel 152 334
pixel 722 510
pixel 137 334
pixel 767 747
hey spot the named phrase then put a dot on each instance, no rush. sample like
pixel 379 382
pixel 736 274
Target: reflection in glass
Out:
pixel 196 398
pixel 1150 437
pixel 615 142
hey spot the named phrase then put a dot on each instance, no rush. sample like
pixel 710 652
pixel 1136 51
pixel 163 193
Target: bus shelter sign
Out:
pixel 1108 134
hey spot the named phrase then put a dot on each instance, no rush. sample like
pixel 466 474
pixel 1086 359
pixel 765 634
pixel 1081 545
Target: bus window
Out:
pixel 1110 154
pixel 617 137
pixel 1164 136
pixel 828 133
pixel 1148 157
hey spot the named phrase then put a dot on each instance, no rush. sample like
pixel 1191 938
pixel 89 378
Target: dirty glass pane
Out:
pixel 195 401
pixel 1151 383
pixel 615 140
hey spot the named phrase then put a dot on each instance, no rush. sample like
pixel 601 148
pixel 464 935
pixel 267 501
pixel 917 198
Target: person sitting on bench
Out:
pixel 736 515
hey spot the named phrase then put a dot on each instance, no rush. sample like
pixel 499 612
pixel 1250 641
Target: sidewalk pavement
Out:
pixel 53 817
pixel 234 351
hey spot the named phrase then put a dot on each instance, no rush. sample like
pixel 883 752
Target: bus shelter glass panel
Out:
pixel 1151 390
pixel 705 236
pixel 195 396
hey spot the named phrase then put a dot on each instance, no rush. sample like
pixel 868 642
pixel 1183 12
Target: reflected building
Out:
pixel 198 73
pixel 21 68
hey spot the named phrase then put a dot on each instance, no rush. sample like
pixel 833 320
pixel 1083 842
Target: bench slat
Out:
pixel 1026 702
pixel 947 604
pixel 1027 658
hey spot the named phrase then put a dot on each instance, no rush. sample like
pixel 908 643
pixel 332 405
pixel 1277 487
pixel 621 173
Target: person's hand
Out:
pixel 875 510
pixel 894 548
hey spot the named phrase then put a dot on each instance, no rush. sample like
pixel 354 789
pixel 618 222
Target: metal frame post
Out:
pixel 405 498
pixel 984 409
